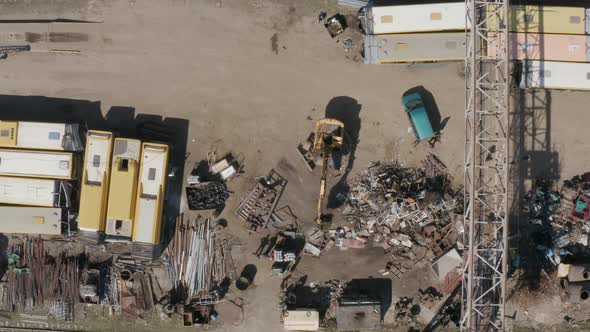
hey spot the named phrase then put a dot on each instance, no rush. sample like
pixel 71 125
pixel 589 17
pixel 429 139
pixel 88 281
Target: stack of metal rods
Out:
pixel 194 259
pixel 38 278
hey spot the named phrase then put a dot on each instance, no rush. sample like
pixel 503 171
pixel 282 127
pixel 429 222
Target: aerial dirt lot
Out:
pixel 250 76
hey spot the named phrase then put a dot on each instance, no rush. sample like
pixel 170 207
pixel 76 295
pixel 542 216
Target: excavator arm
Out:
pixel 323 182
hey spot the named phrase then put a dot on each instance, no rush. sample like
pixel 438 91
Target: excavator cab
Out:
pixel 328 133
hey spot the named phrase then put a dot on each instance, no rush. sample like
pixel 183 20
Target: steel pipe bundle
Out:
pixel 196 260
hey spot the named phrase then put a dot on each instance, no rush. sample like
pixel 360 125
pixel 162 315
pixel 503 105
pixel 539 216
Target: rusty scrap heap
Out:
pixel 35 277
pixel 412 212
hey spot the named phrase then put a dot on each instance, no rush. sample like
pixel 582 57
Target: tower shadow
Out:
pixel 347 110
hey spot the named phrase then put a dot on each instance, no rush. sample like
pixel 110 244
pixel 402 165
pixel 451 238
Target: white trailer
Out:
pixel 414 47
pixel 37 164
pixel 413 18
pixel 40 135
pixel 555 75
pixel 34 192
pixel 30 220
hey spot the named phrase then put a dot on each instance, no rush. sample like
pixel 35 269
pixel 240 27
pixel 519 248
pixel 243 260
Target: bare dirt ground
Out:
pixel 251 76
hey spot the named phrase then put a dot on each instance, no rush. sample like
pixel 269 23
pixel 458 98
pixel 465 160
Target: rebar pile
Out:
pixel 36 278
pixel 196 260
pixel 110 295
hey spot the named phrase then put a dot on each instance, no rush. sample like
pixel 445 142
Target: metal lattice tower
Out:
pixel 486 166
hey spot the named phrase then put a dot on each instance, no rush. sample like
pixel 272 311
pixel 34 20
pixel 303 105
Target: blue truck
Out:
pixel 416 111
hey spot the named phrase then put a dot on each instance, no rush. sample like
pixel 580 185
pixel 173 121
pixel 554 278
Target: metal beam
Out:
pixel 487 83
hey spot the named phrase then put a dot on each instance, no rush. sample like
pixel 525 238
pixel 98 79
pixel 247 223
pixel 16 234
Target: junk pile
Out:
pixel 206 195
pixel 258 206
pixel 197 260
pixel 560 218
pixel 541 203
pixel 35 278
pixel 207 188
pixel 285 251
pixel 412 212
pixel 354 305
pixel 407 309
pixel 575 283
pixel 320 296
pixel 345 29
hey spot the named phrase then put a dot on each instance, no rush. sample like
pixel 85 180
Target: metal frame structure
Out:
pixel 487 84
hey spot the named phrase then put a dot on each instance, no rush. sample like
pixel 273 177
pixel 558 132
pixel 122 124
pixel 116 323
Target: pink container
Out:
pixel 549 47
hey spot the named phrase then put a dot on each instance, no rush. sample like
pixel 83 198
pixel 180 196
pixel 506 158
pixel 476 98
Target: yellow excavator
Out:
pixel 328 137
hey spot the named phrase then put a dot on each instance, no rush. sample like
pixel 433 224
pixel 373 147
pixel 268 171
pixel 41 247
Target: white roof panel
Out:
pixel 126 148
pixel 27 191
pixel 555 75
pixel 97 156
pixel 41 135
pixel 414 47
pixel 145 220
pixel 415 18
pixel 154 158
pixel 301 320
pixel 36 164
pixel 154 164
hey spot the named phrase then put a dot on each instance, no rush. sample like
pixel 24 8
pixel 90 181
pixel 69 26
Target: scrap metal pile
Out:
pixel 35 277
pixel 197 260
pixel 447 313
pixel 412 212
pixel 206 196
pixel 39 277
pixel 560 217
pixel 258 206
pixel 321 296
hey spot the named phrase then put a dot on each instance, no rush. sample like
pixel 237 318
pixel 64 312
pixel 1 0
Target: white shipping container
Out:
pixel 414 18
pixel 41 164
pixel 555 75
pixel 49 136
pixel 415 47
pixel 27 191
pixel 30 220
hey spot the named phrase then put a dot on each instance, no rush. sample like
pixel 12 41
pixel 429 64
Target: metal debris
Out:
pixel 259 204
pixel 335 25
pixel 206 196
pixel 412 212
pixel 38 277
pixel 197 260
